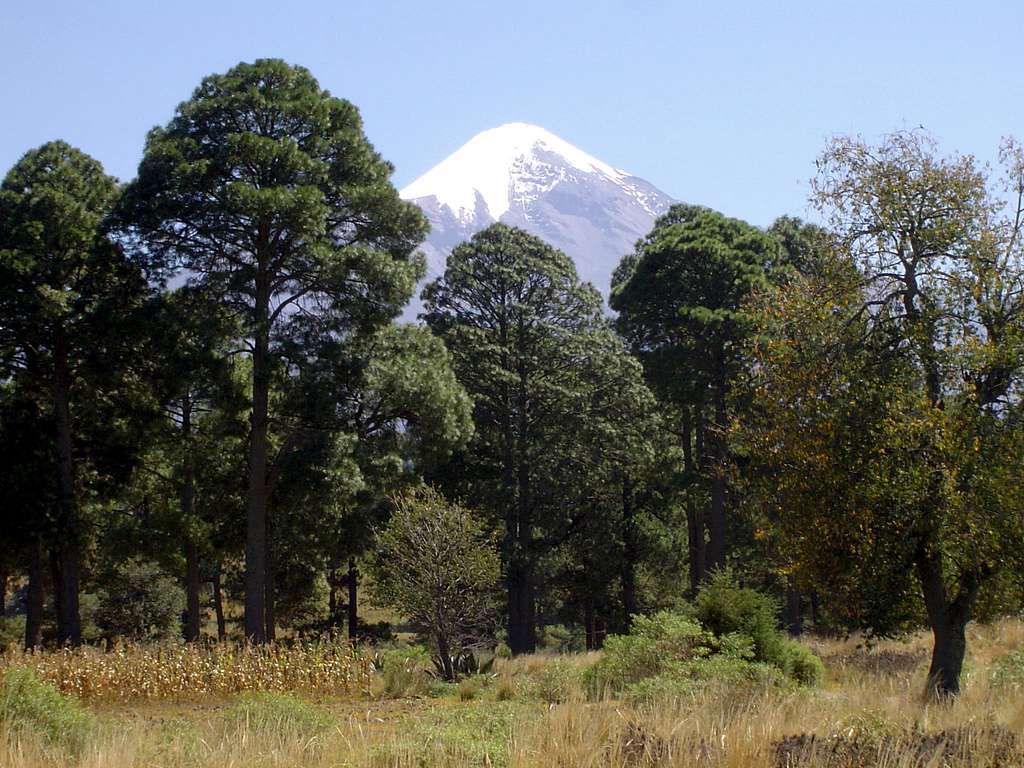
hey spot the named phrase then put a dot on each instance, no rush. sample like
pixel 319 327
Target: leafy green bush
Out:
pixel 804 666
pixel 685 678
pixel 29 703
pixel 729 635
pixel 723 607
pixel 140 602
pixel 281 713
pixel 654 643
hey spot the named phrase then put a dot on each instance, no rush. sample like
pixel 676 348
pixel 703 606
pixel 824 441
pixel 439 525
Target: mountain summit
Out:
pixel 525 176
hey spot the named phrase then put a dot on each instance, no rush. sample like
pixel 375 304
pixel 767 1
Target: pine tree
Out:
pixel 264 187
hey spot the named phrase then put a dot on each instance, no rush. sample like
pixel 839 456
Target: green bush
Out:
pixel 729 635
pixel 140 602
pixel 282 713
pixel 28 703
pixel 655 643
pixel 682 679
pixel 804 666
pixel 724 608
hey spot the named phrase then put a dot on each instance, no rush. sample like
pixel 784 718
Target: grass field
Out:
pixel 329 707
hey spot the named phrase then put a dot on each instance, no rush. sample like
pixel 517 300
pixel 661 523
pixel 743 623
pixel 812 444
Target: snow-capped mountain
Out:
pixel 522 175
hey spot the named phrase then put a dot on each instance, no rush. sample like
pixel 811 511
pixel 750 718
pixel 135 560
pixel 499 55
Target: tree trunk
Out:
pixel 630 555
pixel 947 619
pixel 69 626
pixel 187 508
pixel 522 620
pixel 256 512
pixel 794 622
pixel 353 600
pixel 270 614
pixel 716 518
pixel 36 596
pixel 218 606
pixel 332 596
pixel 4 578
pixel 55 581
pixel 444 652
pixel 588 623
pixel 192 586
pixel 694 511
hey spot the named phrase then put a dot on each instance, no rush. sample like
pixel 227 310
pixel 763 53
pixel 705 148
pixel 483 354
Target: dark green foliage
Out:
pixel 70 341
pixel 560 411
pixel 725 608
pixel 681 298
pixel 139 601
pixel 265 188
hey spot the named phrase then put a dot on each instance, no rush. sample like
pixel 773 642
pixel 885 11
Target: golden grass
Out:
pixel 130 673
pixel 870 712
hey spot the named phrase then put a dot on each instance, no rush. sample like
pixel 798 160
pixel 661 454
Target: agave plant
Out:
pixel 463 664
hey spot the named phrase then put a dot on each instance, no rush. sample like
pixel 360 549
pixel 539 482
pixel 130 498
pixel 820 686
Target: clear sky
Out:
pixel 720 103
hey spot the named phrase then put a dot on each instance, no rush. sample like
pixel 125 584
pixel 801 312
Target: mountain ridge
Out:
pixel 525 176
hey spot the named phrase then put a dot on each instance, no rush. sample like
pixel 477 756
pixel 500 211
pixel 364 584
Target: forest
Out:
pixel 774 453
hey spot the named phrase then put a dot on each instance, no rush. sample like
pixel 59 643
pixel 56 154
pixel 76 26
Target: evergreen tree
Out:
pixel 67 298
pixel 264 187
pixel 516 318
pixel 680 299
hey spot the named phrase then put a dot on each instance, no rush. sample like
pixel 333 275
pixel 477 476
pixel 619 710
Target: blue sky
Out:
pixel 725 104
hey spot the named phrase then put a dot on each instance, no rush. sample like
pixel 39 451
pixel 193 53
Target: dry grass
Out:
pixel 870 712
pixel 130 673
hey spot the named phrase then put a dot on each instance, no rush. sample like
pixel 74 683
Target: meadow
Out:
pixel 333 705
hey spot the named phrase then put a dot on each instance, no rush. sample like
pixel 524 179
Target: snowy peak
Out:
pixel 525 176
pixel 513 163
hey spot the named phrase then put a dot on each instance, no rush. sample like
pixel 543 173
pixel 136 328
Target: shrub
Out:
pixel 729 636
pixel 403 672
pixel 140 602
pixel 438 566
pixel 468 688
pixel 505 690
pixel 682 679
pixel 724 608
pixel 555 681
pixel 26 702
pixel 654 643
pixel 804 666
